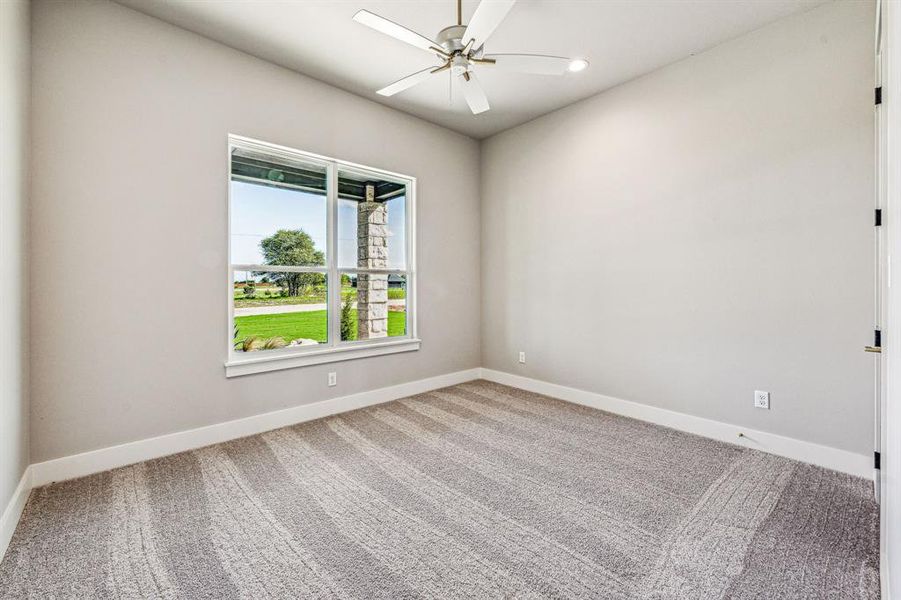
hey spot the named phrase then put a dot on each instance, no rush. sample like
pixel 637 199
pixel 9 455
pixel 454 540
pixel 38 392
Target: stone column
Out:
pixel 372 253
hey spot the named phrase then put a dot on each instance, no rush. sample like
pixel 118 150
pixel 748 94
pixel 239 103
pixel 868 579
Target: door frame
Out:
pixel 889 191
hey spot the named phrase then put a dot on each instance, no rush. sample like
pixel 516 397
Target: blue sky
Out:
pixel 258 211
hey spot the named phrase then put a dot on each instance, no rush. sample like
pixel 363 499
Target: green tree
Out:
pixel 292 247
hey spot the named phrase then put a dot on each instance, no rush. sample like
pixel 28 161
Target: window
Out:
pixel 321 263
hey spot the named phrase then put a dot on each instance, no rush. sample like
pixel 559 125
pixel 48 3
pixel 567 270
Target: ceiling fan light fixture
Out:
pixel 459 65
pixel 577 64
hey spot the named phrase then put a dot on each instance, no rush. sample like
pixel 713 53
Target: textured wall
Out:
pixel 15 83
pixel 129 290
pixel 699 233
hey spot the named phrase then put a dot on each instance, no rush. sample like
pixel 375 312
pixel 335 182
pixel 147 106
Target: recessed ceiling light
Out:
pixel 577 64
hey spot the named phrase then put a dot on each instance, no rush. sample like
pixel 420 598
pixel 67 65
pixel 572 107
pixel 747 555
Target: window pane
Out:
pixel 278 211
pixel 268 317
pixel 373 306
pixel 371 229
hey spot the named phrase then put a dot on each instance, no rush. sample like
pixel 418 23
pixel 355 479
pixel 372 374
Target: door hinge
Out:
pixel 878 217
pixel 878 95
pixel 877 460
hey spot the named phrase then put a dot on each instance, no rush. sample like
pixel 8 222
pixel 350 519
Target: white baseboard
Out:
pixel 97 461
pixel 13 511
pixel 823 456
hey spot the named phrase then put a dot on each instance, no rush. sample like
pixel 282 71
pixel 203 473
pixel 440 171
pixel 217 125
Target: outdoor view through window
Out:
pixel 313 266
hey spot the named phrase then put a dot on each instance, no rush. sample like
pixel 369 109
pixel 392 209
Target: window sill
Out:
pixel 262 364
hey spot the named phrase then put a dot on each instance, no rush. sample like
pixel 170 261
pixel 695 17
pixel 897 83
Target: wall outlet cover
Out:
pixel 332 379
pixel 761 399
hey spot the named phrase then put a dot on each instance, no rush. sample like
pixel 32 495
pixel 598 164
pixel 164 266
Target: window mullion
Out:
pixel 281 268
pixel 334 277
pixel 373 271
pixel 410 255
pixel 231 307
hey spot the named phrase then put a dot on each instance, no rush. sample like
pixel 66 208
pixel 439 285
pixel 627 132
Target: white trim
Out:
pixel 410 236
pixel 333 350
pixel 348 270
pixel 97 461
pixel 277 359
pixel 279 269
pixel 879 254
pixel 333 289
pixel 890 122
pixel 13 511
pixel 824 456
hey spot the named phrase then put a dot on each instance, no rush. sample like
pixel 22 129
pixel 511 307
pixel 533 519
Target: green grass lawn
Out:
pixel 270 297
pixel 312 325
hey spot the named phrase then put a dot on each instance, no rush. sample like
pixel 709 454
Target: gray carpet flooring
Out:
pixel 473 491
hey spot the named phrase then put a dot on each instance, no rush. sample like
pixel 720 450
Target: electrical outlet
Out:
pixel 761 399
pixel 522 357
pixel 332 379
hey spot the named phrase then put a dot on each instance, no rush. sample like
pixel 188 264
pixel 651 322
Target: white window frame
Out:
pixel 246 363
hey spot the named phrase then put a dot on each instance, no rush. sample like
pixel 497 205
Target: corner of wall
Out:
pixel 26 244
pixel 15 142
pixel 481 279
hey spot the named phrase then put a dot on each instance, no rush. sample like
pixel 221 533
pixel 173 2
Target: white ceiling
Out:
pixel 623 39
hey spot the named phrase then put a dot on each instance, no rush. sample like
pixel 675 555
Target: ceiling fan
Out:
pixel 460 48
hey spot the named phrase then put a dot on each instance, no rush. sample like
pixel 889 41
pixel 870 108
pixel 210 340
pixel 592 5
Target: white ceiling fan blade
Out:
pixel 474 94
pixel 406 83
pixel 398 32
pixel 535 64
pixel 488 15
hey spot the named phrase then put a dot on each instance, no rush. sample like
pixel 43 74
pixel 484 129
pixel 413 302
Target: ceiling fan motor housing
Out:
pixel 451 38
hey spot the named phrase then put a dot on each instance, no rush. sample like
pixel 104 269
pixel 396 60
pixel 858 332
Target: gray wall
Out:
pixel 699 233
pixel 15 84
pixel 128 290
pixel 680 240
